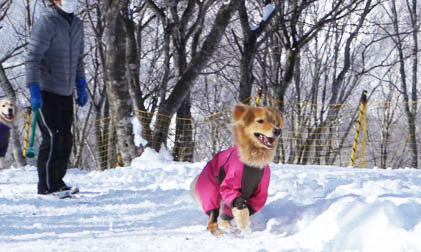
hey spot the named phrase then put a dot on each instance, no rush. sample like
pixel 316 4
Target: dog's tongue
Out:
pixel 268 141
pixel 9 117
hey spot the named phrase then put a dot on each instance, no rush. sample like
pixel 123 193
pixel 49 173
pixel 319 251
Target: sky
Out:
pixel 147 207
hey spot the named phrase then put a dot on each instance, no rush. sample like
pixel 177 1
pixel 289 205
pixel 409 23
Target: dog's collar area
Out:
pixel 3 127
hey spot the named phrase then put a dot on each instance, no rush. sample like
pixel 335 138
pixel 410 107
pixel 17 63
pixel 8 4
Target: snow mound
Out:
pixel 148 207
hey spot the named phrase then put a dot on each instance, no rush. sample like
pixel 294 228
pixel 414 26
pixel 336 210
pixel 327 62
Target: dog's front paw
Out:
pixel 214 229
pixel 241 217
pixel 226 224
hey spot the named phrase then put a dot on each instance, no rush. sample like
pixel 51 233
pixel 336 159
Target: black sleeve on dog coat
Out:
pixel 215 214
pixel 239 203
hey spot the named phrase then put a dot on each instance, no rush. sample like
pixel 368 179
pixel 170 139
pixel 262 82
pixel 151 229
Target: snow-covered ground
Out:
pixel 147 207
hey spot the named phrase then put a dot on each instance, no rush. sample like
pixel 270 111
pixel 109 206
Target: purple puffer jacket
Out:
pixel 4 138
pixel 211 192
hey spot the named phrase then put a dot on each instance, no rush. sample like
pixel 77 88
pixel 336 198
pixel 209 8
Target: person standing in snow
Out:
pixel 54 67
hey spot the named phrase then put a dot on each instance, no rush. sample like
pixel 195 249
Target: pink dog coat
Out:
pixel 227 164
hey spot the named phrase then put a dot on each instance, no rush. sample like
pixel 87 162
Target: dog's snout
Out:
pixel 276 132
pixel 10 111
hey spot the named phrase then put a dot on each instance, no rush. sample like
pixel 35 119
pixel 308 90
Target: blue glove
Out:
pixel 36 97
pixel 82 96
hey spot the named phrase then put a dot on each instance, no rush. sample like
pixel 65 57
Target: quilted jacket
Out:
pixel 55 53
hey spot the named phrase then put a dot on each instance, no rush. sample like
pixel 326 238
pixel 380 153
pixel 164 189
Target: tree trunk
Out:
pixel 250 46
pixel 116 81
pixel 414 91
pixel 184 145
pixel 133 62
pixel 410 105
pixel 386 127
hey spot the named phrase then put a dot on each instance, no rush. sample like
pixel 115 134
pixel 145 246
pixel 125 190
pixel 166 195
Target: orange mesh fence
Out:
pixel 310 136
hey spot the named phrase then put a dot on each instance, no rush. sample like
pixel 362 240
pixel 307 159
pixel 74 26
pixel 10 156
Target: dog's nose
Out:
pixel 276 132
pixel 10 111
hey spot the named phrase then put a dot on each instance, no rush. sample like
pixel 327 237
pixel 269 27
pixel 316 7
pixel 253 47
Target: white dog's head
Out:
pixel 7 111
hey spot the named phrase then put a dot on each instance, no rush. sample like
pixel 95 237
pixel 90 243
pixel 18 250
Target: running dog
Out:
pixel 236 180
pixel 7 118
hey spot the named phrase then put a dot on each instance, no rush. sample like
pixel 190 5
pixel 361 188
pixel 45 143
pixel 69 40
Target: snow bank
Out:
pixel 147 207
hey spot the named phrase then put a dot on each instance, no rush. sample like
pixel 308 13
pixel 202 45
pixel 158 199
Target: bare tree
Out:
pixel 250 45
pixel 409 91
pixel 4 8
pixel 168 107
pixel 183 21
pixel 95 67
pixel 116 80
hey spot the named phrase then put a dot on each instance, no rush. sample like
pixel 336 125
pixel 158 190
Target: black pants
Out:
pixel 55 122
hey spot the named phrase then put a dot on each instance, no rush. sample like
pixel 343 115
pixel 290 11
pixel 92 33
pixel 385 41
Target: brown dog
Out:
pixel 7 118
pixel 236 180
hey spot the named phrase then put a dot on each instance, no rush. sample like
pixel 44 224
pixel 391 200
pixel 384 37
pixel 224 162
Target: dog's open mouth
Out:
pixel 7 116
pixel 268 142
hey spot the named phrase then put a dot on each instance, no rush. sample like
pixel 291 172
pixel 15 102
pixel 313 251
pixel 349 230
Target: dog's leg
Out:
pixel 241 217
pixel 226 217
pixel 226 224
pixel 213 223
pixel 213 214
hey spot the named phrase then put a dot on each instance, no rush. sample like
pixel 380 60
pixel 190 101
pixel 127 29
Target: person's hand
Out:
pixel 36 97
pixel 82 96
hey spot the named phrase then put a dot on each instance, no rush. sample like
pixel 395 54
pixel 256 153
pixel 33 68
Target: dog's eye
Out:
pixel 260 121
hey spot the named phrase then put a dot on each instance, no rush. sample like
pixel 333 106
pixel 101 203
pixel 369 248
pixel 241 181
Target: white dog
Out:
pixel 7 118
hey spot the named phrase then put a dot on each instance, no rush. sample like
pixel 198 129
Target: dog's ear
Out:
pixel 239 112
pixel 248 118
pixel 278 117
